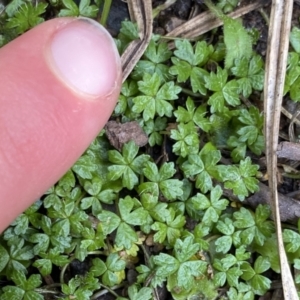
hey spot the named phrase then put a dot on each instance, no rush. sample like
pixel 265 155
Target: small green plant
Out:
pixel 85 9
pixel 238 42
pixel 158 212
pixel 26 17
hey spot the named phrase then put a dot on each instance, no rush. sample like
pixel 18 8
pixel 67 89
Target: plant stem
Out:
pixel 105 12
pixel 44 291
pixel 107 289
pixel 190 93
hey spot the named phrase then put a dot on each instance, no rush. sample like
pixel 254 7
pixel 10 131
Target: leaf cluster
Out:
pixel 157 211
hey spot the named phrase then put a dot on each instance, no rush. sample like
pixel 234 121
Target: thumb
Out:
pixel 59 83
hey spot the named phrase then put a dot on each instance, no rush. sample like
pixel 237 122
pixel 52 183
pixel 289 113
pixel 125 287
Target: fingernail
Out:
pixel 84 56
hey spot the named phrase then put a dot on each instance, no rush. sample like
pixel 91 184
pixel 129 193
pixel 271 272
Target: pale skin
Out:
pixel 46 122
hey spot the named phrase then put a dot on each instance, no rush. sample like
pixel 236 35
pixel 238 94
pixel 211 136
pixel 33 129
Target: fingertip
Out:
pixel 59 84
pixel 83 56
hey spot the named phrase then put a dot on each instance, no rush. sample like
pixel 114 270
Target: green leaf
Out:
pixel 93 187
pixel 128 33
pixel 197 57
pixel 243 218
pixel 227 6
pixel 200 201
pixel 170 188
pixel 233 275
pixel 260 284
pixel 166 171
pixel 251 74
pixel 4 257
pixel 240 68
pixel 126 165
pixel 242 180
pixel 193 165
pixel 184 51
pixel 270 250
pixel 225 227
pixel 245 87
pixel 84 167
pixel 161 232
pixel 295 91
pixel 181 69
pixel 292 240
pixel 202 53
pixel 238 42
pixel 295 39
pixel 261 265
pixel 44 266
pixel 216 81
pixel 115 263
pixel 228 272
pixel 198 81
pixel 13 6
pixel 98 268
pixel 151 172
pixel 187 139
pixel 157 53
pixel 212 207
pixel 155 98
pixel 262 213
pixel 230 93
pixel 223 244
pixel 188 64
pixel 185 249
pixel 200 120
pixel 130 215
pixel 260 230
pixel 292 75
pixel 42 242
pixel 87 10
pixel 144 293
pixel 154 128
pixel 71 9
pixel 248 133
pixel 146 66
pixel 171 229
pixel 188 271
pixel 109 221
pixel 241 255
pixel 200 232
pixel 166 264
pixel 33 282
pixel 228 261
pixel 115 269
pixel 12 292
pixel 126 236
pixel 150 188
pixel 216 101
pixel 220 278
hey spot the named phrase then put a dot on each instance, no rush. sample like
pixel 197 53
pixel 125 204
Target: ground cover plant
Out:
pixel 136 222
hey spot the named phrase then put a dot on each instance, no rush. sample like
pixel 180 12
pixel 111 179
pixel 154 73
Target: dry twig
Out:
pixel 278 43
pixel 141 13
pixel 207 21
